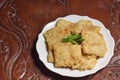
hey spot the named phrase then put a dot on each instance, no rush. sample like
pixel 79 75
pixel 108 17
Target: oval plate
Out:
pixel 101 62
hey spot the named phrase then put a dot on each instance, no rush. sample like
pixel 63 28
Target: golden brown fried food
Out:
pixel 75 56
pixel 94 43
pixel 87 62
pixel 79 26
pixel 67 55
pixel 84 25
pixel 54 35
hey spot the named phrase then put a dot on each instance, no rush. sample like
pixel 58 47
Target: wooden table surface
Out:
pixel 22 20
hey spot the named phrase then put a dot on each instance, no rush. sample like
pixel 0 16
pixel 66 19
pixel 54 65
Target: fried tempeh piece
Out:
pixel 84 25
pixel 94 43
pixel 67 55
pixel 87 62
pixel 55 35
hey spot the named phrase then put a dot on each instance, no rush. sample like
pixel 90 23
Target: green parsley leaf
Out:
pixel 73 38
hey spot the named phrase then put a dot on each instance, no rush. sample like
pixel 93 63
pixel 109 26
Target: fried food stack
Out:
pixel 75 56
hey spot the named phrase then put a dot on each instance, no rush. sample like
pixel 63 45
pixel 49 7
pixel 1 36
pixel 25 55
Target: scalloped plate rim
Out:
pixel 76 73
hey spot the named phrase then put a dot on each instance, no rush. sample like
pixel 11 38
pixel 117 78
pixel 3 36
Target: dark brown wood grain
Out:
pixel 22 20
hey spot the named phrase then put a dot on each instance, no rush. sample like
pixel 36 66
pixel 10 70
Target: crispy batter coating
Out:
pixel 94 43
pixel 54 35
pixel 75 56
pixel 67 55
pixel 87 62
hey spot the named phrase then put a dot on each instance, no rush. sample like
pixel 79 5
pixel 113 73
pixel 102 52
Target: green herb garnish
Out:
pixel 73 38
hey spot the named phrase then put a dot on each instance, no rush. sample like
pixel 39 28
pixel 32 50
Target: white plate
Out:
pixel 101 62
